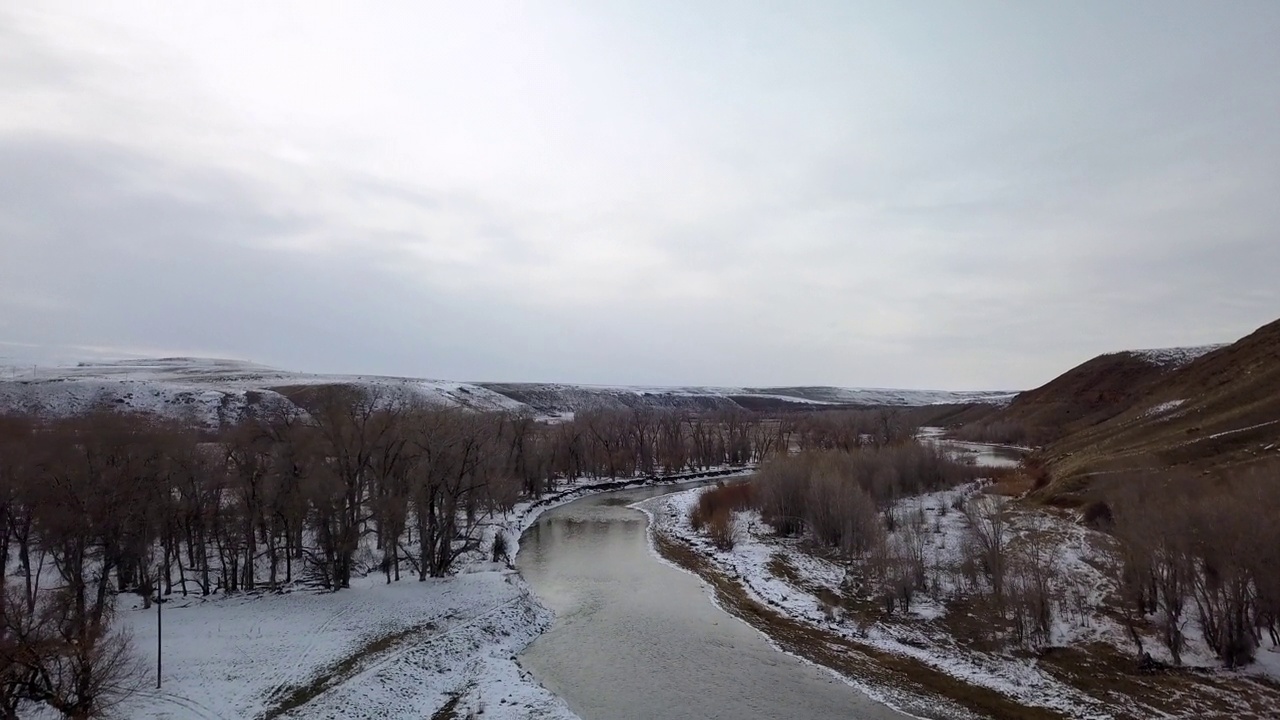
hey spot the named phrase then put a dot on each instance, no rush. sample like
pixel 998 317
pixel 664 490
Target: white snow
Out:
pixel 1163 408
pixel 213 391
pixel 1174 356
pixel 208 391
pixel 231 657
pixel 567 397
pixel 1017 678
pixel 237 656
pixel 1224 433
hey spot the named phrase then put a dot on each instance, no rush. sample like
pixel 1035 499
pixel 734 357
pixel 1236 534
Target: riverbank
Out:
pixel 928 661
pixel 636 638
pixel 441 648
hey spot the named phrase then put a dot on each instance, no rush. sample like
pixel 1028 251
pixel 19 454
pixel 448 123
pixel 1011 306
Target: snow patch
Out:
pixel 1163 408
pixel 1174 356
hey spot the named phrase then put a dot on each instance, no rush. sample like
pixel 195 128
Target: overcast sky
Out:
pixel 955 195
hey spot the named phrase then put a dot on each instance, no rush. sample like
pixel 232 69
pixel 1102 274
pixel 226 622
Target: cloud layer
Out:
pixel 951 196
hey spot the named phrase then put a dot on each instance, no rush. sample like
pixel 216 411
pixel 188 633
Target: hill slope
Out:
pixel 1084 396
pixel 1220 410
pixel 213 392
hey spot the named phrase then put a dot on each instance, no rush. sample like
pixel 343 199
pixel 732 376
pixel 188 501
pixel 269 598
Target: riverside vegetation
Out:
pixel 1167 567
pixel 353 482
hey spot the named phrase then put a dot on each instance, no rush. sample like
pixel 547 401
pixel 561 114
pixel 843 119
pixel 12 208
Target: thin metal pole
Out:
pixel 159 646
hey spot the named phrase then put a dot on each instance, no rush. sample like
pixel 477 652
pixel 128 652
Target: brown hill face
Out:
pixel 1082 397
pixel 1220 411
pixel 1135 413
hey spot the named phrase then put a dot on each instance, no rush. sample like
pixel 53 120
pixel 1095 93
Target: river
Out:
pixel 637 638
pixel 980 454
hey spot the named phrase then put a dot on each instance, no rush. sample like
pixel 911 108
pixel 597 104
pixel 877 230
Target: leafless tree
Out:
pixel 989 531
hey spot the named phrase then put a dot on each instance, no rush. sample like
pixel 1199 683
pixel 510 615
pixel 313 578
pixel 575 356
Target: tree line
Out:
pixel 1193 558
pixel 1200 549
pixel 350 482
pixel 844 502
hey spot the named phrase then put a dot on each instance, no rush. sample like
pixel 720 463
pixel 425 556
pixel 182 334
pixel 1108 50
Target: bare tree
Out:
pixel 988 517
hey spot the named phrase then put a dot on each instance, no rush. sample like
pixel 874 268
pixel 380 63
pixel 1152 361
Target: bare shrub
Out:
pixel 896 577
pixel 49 655
pixel 1098 514
pixel 1186 543
pixel 736 496
pixel 695 518
pixel 722 528
pixel 500 551
pixel 827 493
pixel 716 512
pixel 1034 577
pixel 1001 432
pixel 781 487
pixel 988 517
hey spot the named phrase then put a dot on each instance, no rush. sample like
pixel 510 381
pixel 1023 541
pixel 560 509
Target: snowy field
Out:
pixel 397 650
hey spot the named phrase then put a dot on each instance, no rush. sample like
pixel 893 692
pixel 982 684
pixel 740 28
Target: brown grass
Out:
pixel 1012 484
pixel 1109 675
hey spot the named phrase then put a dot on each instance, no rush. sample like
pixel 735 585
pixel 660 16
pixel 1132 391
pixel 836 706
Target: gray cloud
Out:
pixel 976 196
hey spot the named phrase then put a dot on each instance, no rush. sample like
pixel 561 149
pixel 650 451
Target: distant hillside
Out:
pixel 204 391
pixel 1136 412
pixel 215 392
pixel 558 399
pixel 1085 395
pixel 1220 410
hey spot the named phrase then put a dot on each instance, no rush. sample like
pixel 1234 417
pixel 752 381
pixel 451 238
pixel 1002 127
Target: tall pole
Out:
pixel 159 647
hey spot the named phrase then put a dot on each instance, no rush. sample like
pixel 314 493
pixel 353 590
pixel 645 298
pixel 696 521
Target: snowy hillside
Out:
pixel 557 399
pixel 203 390
pixel 212 392
pixel 1174 356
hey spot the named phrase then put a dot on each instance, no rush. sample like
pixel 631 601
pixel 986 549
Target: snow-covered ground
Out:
pixel 553 398
pixel 380 650
pixel 1174 356
pixel 756 547
pixel 414 645
pixel 376 650
pixel 1080 557
pixel 1164 408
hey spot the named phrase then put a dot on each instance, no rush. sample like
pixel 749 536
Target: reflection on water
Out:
pixel 635 638
pixel 986 455
pixel 979 454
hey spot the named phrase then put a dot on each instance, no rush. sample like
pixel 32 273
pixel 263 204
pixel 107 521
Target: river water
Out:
pixel 636 638
pixel 980 454
pixel 984 455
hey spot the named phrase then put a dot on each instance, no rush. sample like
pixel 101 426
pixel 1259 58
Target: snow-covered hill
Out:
pixel 558 399
pixel 209 392
pixel 1175 356
pixel 212 392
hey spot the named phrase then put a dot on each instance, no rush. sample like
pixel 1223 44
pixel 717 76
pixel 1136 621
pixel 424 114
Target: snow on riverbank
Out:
pixel 238 656
pixel 756 549
pixel 376 650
